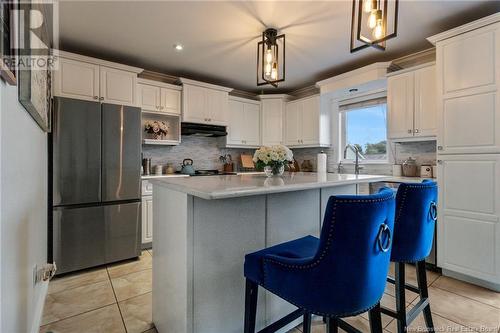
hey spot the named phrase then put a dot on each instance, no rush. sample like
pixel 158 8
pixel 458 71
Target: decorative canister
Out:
pixel 410 167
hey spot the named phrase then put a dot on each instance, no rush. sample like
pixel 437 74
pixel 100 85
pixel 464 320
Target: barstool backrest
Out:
pixel 353 253
pixel 416 214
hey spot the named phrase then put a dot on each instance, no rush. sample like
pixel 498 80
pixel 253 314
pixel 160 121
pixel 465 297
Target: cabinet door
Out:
pixel 195 104
pixel 251 124
pixel 236 123
pixel 469 212
pixel 217 105
pixel 400 103
pixel 76 79
pixel 272 122
pixel 147 220
pixel 170 101
pixel 310 121
pixel 118 86
pixel 425 102
pixel 292 135
pixel 149 97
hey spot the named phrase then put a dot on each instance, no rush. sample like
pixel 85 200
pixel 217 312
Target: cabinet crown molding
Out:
pixel 284 97
pixel 411 69
pixel 491 19
pixel 79 57
pixel 374 68
pixel 244 100
pixel 158 84
pixel 204 84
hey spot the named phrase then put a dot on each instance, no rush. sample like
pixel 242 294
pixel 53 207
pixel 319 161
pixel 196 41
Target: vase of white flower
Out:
pixel 158 129
pixel 273 159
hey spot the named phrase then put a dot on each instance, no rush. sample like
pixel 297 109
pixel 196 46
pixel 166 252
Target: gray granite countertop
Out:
pixel 230 186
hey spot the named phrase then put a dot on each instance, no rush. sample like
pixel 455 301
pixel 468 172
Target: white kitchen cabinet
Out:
pixel 76 79
pixel 469 215
pixel 272 111
pixel 159 97
pixel 117 86
pixel 412 103
pixel 243 123
pixel 307 123
pixel 204 103
pixel 91 79
pixel 147 219
pixel 469 108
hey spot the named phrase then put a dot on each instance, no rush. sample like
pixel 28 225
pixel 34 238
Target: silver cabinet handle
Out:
pixel 440 147
pixel 96 97
pixel 410 131
pixel 101 98
pixel 161 107
pixel 439 161
pixel 416 130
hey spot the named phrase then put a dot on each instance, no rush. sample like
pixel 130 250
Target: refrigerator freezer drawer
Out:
pixel 79 238
pixel 123 231
pixel 76 146
pixel 121 151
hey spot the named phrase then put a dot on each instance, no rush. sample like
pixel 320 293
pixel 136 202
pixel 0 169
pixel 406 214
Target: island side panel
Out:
pixel 290 215
pixel 224 231
pixel 172 260
pixel 327 192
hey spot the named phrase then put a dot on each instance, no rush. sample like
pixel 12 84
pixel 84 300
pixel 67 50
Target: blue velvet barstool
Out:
pixel 416 215
pixel 341 274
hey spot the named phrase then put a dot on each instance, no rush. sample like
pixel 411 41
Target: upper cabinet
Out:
pixel 243 123
pixel 92 79
pixel 468 81
pixel 412 103
pixel 204 103
pixel 272 112
pixel 307 123
pixel 159 97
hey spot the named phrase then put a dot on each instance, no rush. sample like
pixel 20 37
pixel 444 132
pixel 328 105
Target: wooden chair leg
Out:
pixel 424 294
pixel 399 278
pixel 332 325
pixel 306 324
pixel 251 293
pixel 375 317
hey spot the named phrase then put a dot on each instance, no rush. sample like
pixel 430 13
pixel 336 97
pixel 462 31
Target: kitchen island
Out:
pixel 204 226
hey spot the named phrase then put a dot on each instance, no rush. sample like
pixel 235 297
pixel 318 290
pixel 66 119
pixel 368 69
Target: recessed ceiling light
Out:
pixel 178 47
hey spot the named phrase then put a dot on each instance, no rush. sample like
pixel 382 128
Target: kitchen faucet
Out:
pixel 356 152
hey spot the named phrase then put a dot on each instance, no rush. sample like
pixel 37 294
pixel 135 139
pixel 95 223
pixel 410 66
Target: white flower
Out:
pixel 278 154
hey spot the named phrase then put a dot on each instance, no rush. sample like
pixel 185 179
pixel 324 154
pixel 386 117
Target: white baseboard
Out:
pixel 38 310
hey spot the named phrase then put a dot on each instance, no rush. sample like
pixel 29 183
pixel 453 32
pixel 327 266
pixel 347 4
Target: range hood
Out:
pixel 203 130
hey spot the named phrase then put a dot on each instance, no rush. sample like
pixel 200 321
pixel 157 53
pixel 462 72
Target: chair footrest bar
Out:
pixel 280 323
pixel 410 287
pixel 347 327
pixel 388 312
pixel 415 311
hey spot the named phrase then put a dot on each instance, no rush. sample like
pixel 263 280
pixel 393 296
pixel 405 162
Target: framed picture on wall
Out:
pixel 34 70
pixel 7 48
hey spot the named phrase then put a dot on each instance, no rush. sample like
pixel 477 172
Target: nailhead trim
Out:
pixel 320 258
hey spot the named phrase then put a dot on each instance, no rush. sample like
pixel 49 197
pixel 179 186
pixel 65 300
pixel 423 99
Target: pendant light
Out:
pixel 373 22
pixel 271 58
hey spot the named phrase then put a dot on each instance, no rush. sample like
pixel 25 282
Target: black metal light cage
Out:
pixel 356 21
pixel 270 38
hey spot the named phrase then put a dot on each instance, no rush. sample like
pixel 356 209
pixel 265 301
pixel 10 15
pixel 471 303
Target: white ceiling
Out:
pixel 220 36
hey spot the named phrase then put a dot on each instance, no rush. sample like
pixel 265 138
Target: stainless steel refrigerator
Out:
pixel 96 203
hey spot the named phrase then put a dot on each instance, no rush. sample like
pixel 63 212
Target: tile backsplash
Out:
pixel 205 153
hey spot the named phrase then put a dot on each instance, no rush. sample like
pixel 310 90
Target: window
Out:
pixel 364 126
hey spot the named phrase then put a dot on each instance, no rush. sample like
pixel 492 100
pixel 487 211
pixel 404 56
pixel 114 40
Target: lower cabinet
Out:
pixel 147 219
pixel 469 212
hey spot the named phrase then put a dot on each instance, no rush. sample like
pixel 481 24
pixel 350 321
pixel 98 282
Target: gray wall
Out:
pixel 23 222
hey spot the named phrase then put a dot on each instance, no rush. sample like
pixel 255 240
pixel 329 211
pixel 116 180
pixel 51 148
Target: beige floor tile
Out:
pixel 409 295
pixel 77 280
pixel 103 320
pixel 441 325
pixel 131 285
pixel 130 266
pixel 464 310
pixel 153 330
pixel 358 322
pixel 74 301
pixel 389 302
pixel 411 274
pixel 468 290
pixel 137 313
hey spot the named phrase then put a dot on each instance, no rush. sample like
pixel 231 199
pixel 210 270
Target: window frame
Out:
pixel 343 137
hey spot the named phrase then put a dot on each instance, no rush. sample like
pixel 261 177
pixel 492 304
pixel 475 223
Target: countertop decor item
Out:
pixel 157 128
pixel 273 159
pixel 306 166
pixel 321 162
pixel 187 167
pixel 227 161
pixel 426 171
pixel 410 167
pixel 170 169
